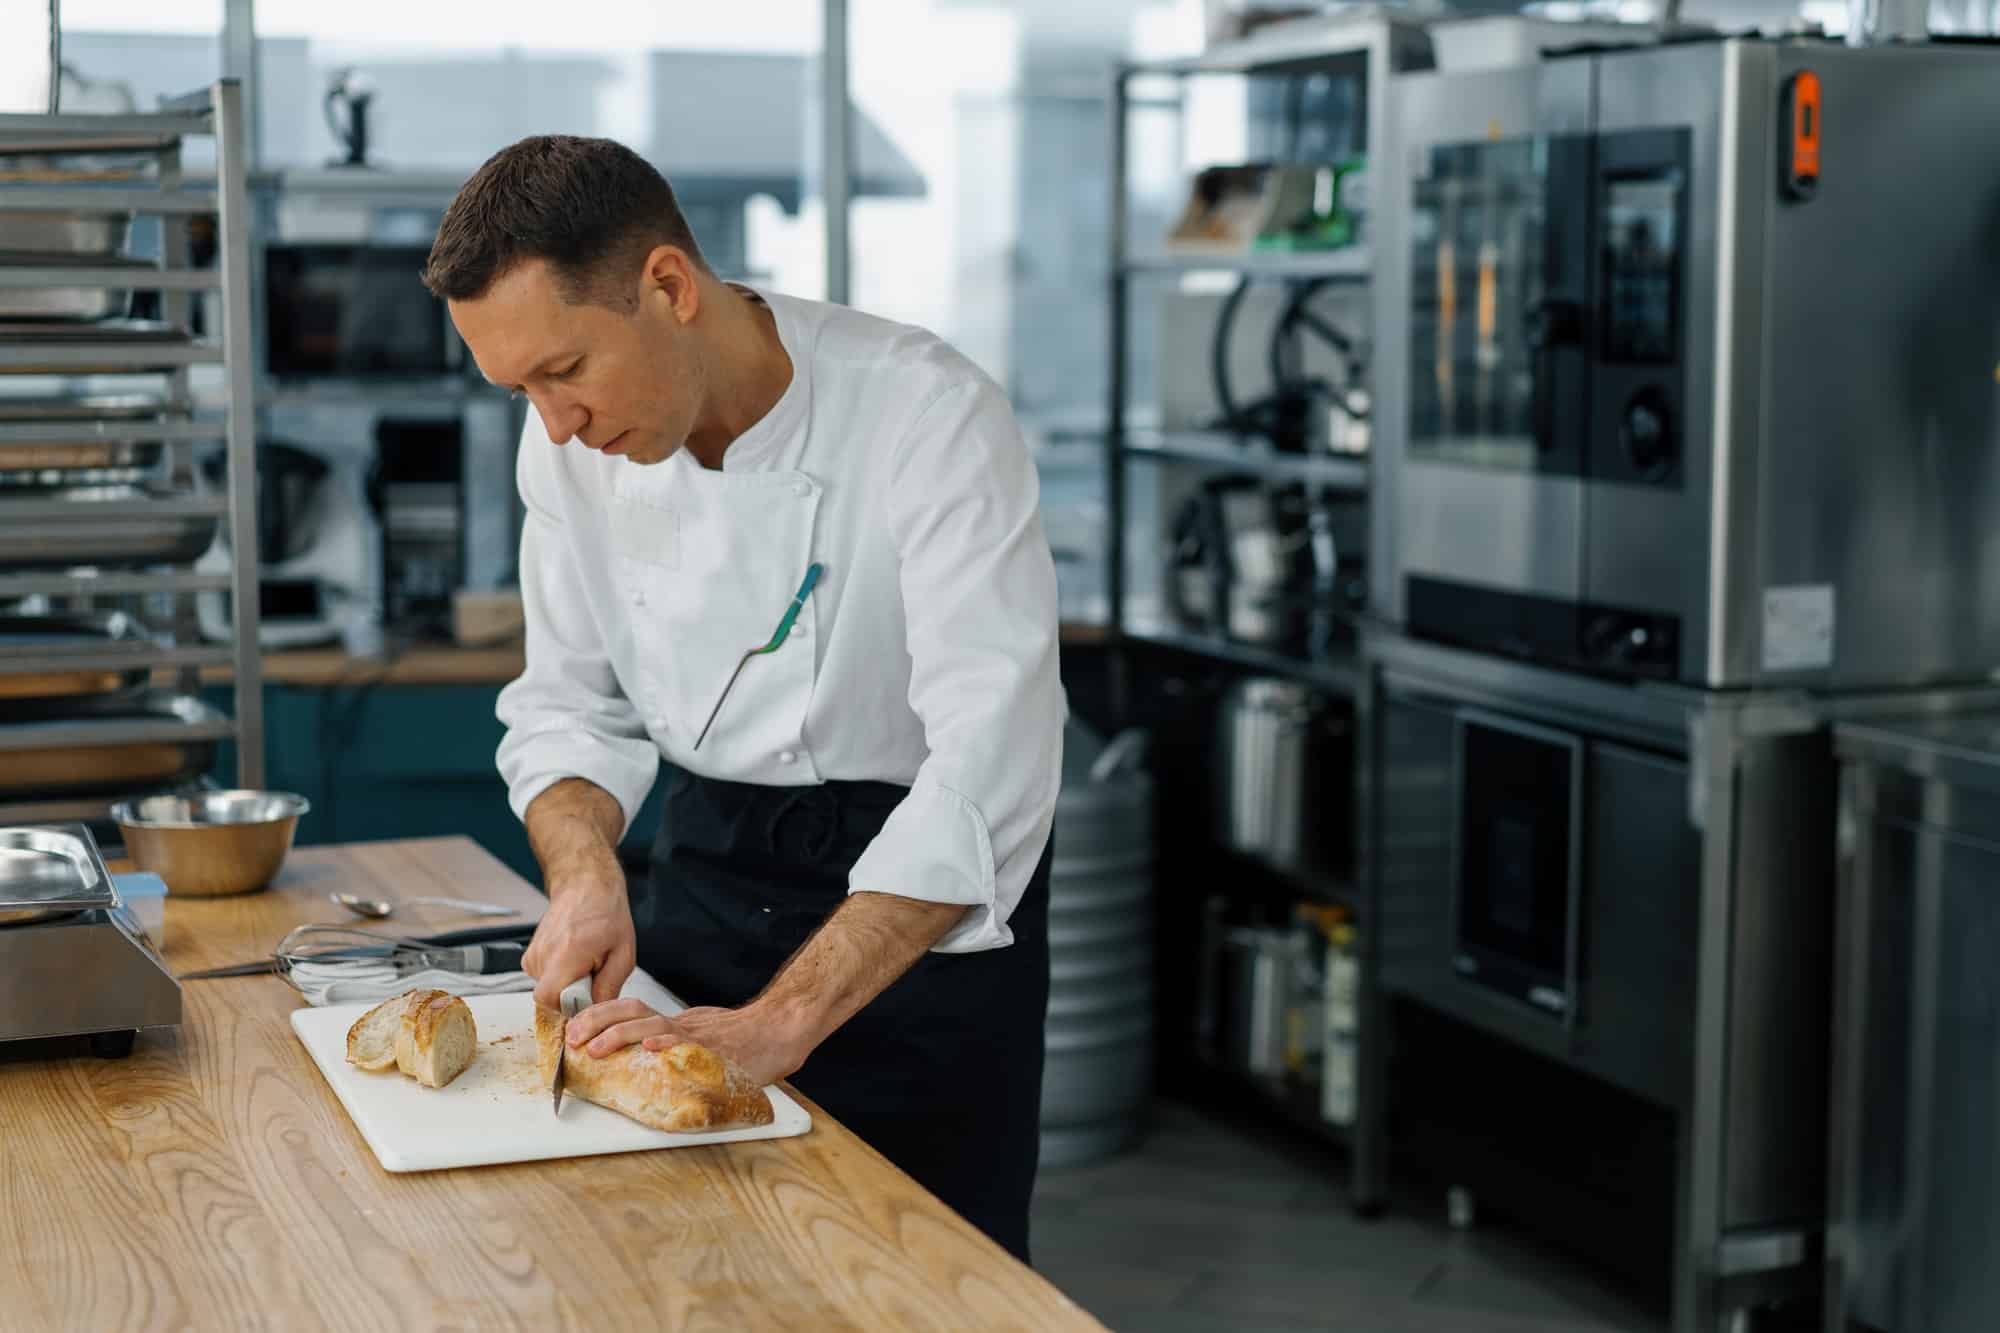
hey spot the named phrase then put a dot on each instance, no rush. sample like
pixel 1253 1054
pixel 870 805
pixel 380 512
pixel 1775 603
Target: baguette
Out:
pixel 437 1039
pixel 371 1042
pixel 684 1089
pixel 427 1034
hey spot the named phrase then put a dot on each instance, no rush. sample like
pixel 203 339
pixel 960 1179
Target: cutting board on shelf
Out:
pixel 498 1109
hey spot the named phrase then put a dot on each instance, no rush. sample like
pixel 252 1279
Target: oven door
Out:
pixel 1517 860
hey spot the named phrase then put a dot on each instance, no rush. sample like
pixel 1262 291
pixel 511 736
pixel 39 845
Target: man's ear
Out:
pixel 670 272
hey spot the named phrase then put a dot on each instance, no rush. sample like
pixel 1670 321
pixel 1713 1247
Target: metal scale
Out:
pixel 74 961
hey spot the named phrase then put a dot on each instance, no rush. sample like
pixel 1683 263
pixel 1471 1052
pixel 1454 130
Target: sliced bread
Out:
pixel 438 1038
pixel 371 1042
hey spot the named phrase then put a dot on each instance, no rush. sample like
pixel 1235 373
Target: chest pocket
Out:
pixel 707 563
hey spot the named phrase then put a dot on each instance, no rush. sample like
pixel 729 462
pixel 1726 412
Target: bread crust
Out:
pixel 684 1089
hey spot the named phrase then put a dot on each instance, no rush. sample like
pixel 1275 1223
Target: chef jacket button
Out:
pixel 788 757
pixel 638 599
pixel 804 488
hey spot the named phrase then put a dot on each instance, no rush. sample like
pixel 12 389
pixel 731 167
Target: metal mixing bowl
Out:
pixel 212 844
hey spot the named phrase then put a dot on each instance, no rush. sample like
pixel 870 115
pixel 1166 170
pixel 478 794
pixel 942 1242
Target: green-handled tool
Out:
pixel 777 637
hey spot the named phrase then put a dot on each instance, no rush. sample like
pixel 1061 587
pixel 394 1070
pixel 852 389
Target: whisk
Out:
pixel 321 942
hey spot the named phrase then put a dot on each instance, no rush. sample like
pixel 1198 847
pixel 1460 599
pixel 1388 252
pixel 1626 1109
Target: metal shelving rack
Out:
pixel 218 113
pixel 1372 47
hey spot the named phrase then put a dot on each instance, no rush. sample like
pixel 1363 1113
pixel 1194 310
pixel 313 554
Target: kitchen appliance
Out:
pixel 348 96
pixel 1251 561
pixel 354 310
pixel 1284 757
pixel 1688 363
pixel 318 573
pixel 497 1110
pixel 73 958
pixel 417 487
pixel 1916 1027
pixel 1629 883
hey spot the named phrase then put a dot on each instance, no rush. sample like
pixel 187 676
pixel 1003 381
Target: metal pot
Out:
pixel 1283 775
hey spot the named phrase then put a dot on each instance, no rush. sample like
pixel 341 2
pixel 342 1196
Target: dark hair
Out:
pixel 591 207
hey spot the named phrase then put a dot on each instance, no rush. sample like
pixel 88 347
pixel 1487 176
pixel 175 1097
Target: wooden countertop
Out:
pixel 212 1179
pixel 444 664
pixel 431 664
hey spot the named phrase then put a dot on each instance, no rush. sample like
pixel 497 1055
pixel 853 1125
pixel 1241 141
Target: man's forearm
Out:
pixel 573 828
pixel 870 940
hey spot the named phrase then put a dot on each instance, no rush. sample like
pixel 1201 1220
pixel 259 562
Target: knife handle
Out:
pixel 500 957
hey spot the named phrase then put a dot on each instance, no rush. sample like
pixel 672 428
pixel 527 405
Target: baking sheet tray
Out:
pixel 46 872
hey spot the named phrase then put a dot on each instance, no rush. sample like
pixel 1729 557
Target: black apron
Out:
pixel 942 1072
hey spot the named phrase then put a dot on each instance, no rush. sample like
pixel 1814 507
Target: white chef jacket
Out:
pixel 925 656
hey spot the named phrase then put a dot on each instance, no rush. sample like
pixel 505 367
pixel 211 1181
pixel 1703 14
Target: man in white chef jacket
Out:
pixel 850 881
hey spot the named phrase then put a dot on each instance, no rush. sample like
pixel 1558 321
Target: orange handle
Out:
pixel 1802 101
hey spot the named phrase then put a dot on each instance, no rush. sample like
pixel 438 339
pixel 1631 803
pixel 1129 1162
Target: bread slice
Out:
pixel 684 1089
pixel 437 1039
pixel 371 1042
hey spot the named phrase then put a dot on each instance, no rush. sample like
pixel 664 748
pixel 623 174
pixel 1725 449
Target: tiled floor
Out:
pixel 1212 1226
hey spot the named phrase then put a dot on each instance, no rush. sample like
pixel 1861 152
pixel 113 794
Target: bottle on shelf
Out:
pixel 1339 1062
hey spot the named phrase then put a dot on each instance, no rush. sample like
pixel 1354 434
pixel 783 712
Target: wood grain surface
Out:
pixel 212 1180
pixel 438 664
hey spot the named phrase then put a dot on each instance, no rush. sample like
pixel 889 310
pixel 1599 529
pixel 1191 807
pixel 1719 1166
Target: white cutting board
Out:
pixel 497 1110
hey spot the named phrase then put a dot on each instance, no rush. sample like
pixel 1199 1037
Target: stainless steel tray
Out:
pixel 160 740
pixel 82 234
pixel 103 526
pixel 48 872
pixel 82 303
pixel 121 331
pixel 33 409
pixel 71 693
pixel 56 467
pixel 106 347
pixel 28 463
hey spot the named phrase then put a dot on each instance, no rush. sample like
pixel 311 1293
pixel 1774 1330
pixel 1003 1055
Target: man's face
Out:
pixel 626 383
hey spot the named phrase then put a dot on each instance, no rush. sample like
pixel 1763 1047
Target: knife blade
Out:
pixel 562 1049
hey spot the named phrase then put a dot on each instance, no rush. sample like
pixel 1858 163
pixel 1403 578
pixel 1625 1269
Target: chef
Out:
pixel 785 557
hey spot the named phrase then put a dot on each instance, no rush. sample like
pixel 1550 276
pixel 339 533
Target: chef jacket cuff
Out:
pixel 934 848
pixel 627 777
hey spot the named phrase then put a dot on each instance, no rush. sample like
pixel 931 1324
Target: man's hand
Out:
pixel 868 941
pixel 587 932
pixel 574 828
pixel 764 1048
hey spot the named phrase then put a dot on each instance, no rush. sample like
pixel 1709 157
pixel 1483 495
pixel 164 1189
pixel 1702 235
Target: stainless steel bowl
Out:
pixel 213 844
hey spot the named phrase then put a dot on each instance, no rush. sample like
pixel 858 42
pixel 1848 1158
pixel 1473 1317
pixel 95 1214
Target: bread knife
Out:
pixel 562 1049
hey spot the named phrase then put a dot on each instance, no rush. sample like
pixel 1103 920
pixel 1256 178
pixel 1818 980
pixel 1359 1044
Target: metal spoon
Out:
pixel 368 907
